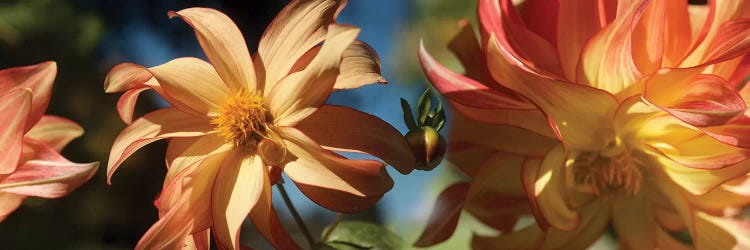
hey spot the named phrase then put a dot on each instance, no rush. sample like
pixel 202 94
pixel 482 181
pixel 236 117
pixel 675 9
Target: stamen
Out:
pixel 243 120
pixel 609 170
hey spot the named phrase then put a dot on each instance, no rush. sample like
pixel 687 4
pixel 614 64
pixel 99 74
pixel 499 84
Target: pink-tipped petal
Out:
pixel 345 129
pixel 55 131
pixel 576 19
pixel 126 103
pixel 125 76
pixel 267 222
pixel 224 46
pixel 48 179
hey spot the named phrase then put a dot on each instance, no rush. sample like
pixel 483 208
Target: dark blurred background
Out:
pixel 88 37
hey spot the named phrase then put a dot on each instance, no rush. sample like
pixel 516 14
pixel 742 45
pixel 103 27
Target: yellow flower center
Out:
pixel 613 169
pixel 243 120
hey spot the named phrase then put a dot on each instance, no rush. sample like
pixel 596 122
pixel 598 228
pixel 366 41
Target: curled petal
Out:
pixel 237 188
pixel 360 65
pixel 126 103
pixel 55 131
pixel 299 94
pixel 125 76
pixel 334 182
pixel 732 40
pixel 37 78
pixel 500 137
pixel 444 216
pixel 154 126
pixel 224 46
pixel 700 100
pixel 700 181
pixel 549 192
pixel 15 109
pixel 530 119
pixel 193 82
pixel 346 129
pixel 299 27
pixel 593 223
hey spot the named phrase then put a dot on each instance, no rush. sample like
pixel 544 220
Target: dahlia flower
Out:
pixel 624 113
pixel 236 122
pixel 30 141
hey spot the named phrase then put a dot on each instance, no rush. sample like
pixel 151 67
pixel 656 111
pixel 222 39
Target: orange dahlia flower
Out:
pixel 238 120
pixel 30 141
pixel 624 113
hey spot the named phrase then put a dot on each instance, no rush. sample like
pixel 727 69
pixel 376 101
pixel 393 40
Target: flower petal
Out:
pixel 633 221
pixel 299 94
pixel 467 91
pixel 500 137
pixel 55 131
pixel 593 224
pixel 549 192
pixel 224 46
pixel 497 196
pixel 562 102
pixel 699 181
pixel 192 81
pixel 344 129
pixel 8 203
pixel 38 78
pixel 15 109
pixel 236 190
pixel 154 126
pixel 577 19
pixel 47 179
pixel 444 216
pixel 607 62
pixel 126 103
pixel 469 52
pixel 530 119
pixel 183 208
pixel 360 66
pixel 267 222
pixel 721 232
pixel 332 181
pixel 501 19
pixel 299 27
pixel 699 100
pixel 529 237
pixel 185 151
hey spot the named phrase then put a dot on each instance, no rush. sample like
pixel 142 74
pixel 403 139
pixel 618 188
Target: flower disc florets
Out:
pixel 610 170
pixel 244 120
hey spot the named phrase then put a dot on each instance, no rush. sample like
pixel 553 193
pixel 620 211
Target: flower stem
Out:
pixel 335 223
pixel 296 216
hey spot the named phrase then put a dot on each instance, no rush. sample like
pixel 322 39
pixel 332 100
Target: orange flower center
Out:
pixel 243 120
pixel 613 169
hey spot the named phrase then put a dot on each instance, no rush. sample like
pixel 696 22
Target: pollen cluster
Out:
pixel 611 170
pixel 243 120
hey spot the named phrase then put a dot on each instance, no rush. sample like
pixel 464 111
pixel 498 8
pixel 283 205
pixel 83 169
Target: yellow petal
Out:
pixel 238 187
pixel 550 192
pixel 224 46
pixel 193 82
pixel 299 94
pixel 633 220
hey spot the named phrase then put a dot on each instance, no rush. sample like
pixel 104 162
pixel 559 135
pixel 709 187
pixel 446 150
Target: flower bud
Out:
pixel 428 147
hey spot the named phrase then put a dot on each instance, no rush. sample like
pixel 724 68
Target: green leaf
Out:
pixel 423 106
pixel 355 235
pixel 439 120
pixel 408 115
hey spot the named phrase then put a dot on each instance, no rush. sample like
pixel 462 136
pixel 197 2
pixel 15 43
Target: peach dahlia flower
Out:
pixel 238 120
pixel 30 141
pixel 624 113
